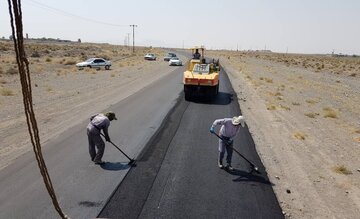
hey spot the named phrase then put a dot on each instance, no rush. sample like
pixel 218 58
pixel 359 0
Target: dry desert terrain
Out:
pixel 303 112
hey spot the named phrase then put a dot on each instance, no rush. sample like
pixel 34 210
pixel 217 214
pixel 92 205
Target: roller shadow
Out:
pixel 221 99
pixel 114 166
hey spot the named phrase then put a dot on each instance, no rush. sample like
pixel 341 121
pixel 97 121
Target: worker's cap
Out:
pixel 238 120
pixel 111 115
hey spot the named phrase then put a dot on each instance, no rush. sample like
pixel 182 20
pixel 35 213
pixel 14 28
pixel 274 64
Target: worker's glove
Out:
pixel 212 130
pixel 107 139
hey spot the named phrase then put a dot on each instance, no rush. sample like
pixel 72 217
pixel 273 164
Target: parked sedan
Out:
pixel 150 56
pixel 94 63
pixel 175 61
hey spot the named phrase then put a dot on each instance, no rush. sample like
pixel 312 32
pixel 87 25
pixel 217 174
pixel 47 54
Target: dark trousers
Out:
pixel 224 147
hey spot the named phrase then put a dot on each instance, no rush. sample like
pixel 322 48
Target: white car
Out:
pixel 175 61
pixel 150 56
pixel 94 63
pixel 169 56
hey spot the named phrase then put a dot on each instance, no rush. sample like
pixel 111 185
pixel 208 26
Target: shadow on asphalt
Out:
pixel 114 166
pixel 248 177
pixel 221 99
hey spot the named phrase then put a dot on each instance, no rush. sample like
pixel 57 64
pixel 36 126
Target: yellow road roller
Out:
pixel 201 78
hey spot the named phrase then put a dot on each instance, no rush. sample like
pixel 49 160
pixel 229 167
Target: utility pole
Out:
pixel 133 26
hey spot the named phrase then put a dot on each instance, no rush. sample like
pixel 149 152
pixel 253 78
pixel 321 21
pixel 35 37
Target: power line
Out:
pixel 67 14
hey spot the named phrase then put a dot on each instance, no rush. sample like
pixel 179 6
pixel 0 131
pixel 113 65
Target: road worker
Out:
pixel 229 129
pixel 97 123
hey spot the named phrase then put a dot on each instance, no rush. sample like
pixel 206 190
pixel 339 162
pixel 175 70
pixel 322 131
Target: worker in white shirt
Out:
pixel 229 129
pixel 97 123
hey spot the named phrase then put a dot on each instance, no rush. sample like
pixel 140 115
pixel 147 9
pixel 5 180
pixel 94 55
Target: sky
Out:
pixel 294 26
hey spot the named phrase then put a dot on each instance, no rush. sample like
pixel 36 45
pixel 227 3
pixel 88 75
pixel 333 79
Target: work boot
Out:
pixel 99 162
pixel 229 167
pixel 221 166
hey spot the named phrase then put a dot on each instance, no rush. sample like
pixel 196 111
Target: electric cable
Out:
pixel 24 73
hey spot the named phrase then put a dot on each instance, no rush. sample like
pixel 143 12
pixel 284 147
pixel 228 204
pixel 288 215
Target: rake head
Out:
pixel 131 162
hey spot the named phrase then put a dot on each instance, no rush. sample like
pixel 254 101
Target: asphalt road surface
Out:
pixel 82 188
pixel 177 175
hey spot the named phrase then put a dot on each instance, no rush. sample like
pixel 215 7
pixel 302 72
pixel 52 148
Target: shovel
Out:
pixel 131 162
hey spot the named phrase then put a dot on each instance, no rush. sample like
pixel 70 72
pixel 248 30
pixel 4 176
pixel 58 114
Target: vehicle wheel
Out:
pixel 187 93
pixel 187 96
pixel 107 67
pixel 89 66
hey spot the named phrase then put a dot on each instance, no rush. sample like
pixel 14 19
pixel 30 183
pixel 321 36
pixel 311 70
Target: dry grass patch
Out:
pixel 356 139
pixel 49 89
pixel 6 92
pixel 341 169
pixel 70 62
pixel 311 115
pixel 295 103
pixel 353 75
pixel 256 83
pixel 270 107
pixel 269 80
pixel 312 101
pixel 276 94
pixel 285 107
pixel 330 113
pixel 299 135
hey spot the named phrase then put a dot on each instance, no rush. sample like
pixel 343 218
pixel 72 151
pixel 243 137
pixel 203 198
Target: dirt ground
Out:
pixel 305 121
pixel 303 112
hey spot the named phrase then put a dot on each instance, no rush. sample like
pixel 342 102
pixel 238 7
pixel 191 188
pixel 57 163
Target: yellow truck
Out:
pixel 201 79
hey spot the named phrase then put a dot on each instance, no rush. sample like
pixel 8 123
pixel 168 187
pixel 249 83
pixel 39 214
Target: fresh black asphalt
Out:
pixel 176 176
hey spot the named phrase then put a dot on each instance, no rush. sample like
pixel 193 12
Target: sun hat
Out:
pixel 236 120
pixel 110 114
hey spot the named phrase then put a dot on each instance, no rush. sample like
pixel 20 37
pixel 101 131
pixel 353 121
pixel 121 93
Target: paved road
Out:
pixel 83 188
pixel 177 174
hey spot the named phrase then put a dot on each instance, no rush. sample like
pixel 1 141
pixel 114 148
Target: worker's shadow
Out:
pixel 114 166
pixel 249 177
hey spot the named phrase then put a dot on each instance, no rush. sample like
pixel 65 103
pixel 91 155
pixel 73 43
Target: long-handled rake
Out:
pixel 131 162
pixel 253 166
